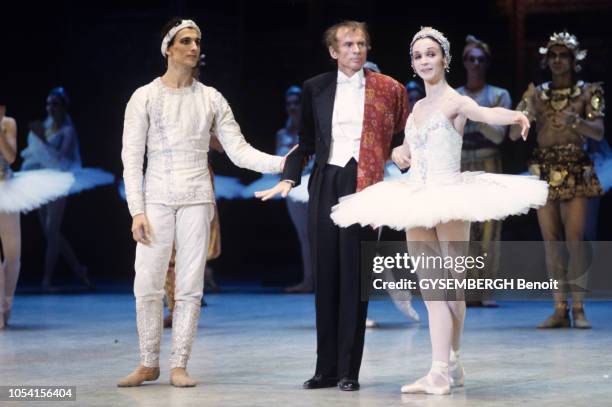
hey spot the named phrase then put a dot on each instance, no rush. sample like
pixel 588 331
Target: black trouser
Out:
pixel 340 312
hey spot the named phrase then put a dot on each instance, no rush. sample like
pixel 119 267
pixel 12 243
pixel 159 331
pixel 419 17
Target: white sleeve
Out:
pixel 135 128
pixel 238 150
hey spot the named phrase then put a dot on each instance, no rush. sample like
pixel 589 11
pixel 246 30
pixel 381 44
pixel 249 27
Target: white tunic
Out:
pixel 175 126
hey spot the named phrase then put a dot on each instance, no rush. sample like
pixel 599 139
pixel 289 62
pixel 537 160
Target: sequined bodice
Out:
pixel 435 149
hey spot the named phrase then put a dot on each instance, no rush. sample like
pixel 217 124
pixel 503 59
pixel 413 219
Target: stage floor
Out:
pixel 256 349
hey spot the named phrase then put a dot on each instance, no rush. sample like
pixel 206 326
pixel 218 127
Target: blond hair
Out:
pixel 330 38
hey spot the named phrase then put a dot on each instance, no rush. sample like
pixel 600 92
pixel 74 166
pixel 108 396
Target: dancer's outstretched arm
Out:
pixel 493 115
pixel 527 106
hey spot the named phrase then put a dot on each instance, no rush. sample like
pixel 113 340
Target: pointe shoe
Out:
pixel 435 382
pixel 579 319
pixel 138 376
pixel 559 318
pixel 456 374
pixel 180 378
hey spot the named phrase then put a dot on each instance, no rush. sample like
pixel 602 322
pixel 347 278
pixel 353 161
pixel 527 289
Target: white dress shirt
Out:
pixel 347 119
pixel 174 126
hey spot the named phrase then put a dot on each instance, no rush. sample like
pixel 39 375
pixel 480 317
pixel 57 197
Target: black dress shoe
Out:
pixel 348 384
pixel 319 381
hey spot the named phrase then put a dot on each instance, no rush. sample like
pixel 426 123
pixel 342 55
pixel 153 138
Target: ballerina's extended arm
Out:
pixel 493 115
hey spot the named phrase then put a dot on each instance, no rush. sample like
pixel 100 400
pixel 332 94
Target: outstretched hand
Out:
pixel 141 229
pixel 522 121
pixel 283 188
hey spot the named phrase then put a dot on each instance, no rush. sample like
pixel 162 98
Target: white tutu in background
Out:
pixel 267 181
pixel 603 169
pixel 227 187
pixel 392 172
pixel 89 178
pixel 602 158
pixel 121 190
pixel 27 190
pixel 300 193
pixel 435 191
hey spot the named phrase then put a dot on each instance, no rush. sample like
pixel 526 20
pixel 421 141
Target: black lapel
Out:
pixel 324 96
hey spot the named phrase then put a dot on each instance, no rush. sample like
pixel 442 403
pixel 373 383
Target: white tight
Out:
pixel 446 316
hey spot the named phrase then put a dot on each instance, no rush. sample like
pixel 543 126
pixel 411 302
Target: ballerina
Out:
pixel 54 144
pixel 436 202
pixel 20 192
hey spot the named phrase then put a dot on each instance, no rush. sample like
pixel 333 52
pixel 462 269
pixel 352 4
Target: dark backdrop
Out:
pixel 101 51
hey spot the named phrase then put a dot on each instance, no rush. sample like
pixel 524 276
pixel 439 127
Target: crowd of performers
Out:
pixel 340 161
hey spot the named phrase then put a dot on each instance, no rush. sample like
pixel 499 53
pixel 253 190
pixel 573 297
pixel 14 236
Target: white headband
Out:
pixel 184 24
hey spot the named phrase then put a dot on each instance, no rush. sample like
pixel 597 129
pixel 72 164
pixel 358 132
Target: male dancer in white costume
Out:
pixel 173 118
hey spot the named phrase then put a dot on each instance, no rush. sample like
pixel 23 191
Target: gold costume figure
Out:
pixel 566 112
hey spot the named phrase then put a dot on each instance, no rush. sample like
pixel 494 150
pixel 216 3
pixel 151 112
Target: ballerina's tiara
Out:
pixel 430 32
pixel 183 24
pixel 568 41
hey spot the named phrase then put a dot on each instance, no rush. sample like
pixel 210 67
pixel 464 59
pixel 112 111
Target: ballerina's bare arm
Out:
pixel 8 139
pixel 492 115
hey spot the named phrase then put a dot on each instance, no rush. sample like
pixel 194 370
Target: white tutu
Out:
pixel 227 187
pixel 89 178
pixel 121 190
pixel 300 193
pixel 434 191
pixel 603 169
pixel 266 181
pixel 475 197
pixel 28 190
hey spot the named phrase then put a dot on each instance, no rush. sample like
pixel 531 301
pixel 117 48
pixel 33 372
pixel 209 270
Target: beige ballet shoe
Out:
pixel 180 378
pixel 456 373
pixel 436 382
pixel 138 376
